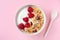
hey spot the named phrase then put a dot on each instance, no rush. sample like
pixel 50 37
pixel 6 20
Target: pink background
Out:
pixel 8 10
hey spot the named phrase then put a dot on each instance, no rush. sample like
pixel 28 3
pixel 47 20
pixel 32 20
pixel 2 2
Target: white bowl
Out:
pixel 19 16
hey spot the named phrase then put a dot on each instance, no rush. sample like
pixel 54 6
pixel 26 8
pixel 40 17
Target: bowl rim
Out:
pixel 42 25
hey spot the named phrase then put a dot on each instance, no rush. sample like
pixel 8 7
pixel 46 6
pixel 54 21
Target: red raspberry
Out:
pixel 27 25
pixel 30 15
pixel 30 9
pixel 25 19
pixel 21 26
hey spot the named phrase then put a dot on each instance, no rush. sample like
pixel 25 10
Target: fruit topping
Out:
pixel 25 19
pixel 27 25
pixel 30 9
pixel 30 15
pixel 21 26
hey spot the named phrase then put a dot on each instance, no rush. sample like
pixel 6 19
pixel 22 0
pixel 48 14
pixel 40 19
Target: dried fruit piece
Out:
pixel 34 31
pixel 27 25
pixel 25 19
pixel 31 23
pixel 30 9
pixel 38 17
pixel 21 26
pixel 30 15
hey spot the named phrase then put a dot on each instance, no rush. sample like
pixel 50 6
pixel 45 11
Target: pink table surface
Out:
pixel 8 10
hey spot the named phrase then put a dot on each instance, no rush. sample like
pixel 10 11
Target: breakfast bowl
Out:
pixel 30 20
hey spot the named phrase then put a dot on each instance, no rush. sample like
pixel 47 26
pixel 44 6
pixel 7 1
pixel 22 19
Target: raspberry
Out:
pixel 30 9
pixel 25 19
pixel 30 15
pixel 21 26
pixel 27 25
